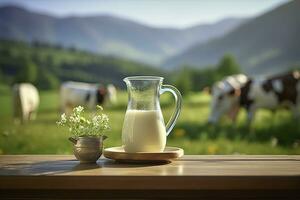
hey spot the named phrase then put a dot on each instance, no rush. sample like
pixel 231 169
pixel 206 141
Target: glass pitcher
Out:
pixel 144 129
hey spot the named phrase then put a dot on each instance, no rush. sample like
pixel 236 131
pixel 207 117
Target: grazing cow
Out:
pixel 281 90
pixel 111 94
pixel 225 97
pixel 73 94
pixel 25 102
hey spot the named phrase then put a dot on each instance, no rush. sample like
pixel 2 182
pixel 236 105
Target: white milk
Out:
pixel 143 131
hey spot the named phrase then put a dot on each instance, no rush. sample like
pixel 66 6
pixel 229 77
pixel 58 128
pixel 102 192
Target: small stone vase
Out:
pixel 88 149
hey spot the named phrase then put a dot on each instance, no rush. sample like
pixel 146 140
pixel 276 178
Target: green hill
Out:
pixel 266 44
pixel 53 64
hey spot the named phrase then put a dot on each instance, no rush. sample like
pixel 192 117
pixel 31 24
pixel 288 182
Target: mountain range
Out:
pixel 266 44
pixel 108 35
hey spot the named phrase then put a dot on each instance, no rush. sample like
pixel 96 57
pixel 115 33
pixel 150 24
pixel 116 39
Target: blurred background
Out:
pixel 192 44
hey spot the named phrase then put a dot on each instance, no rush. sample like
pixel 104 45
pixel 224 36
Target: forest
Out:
pixel 47 65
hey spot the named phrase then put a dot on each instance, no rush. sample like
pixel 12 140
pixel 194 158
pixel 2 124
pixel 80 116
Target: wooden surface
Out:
pixel 191 173
pixel 118 153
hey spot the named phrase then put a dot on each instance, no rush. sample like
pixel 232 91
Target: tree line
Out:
pixel 189 78
pixel 47 65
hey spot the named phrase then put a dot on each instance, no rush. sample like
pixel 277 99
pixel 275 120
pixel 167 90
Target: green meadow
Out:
pixel 270 133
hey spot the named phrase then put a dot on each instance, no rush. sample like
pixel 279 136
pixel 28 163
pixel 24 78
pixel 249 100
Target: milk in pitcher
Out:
pixel 143 131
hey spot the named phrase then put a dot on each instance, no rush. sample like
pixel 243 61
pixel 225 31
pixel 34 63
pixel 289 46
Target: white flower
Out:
pixel 78 109
pixel 63 118
pixel 99 107
pixel 80 126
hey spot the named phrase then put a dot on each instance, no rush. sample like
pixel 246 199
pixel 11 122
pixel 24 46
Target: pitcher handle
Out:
pixel 178 101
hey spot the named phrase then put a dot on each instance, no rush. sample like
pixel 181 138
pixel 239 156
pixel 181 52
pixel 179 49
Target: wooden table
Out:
pixel 209 177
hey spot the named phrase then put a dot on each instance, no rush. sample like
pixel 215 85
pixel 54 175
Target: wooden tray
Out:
pixel 118 153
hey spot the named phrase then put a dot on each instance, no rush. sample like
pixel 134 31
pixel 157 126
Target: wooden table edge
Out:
pixel 151 182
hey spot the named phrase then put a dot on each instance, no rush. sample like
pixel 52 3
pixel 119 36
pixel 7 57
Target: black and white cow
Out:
pixel 270 93
pixel 225 97
pixel 73 94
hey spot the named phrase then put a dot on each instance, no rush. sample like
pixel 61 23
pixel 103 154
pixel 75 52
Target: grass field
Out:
pixel 270 133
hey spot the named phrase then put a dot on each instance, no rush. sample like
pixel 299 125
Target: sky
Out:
pixel 158 13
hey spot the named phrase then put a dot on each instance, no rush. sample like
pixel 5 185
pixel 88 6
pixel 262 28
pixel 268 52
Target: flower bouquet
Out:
pixel 87 134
